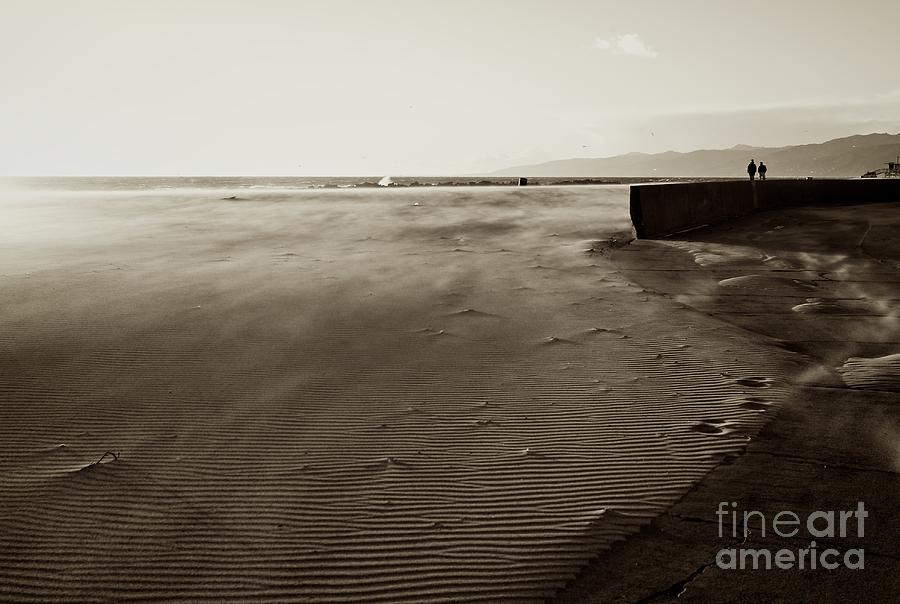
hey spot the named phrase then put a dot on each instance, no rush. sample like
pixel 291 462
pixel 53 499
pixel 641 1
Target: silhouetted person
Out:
pixel 762 170
pixel 751 169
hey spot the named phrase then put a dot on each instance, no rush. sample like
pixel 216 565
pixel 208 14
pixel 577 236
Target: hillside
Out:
pixel 850 156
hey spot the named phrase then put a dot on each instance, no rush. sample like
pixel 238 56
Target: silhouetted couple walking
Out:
pixel 752 170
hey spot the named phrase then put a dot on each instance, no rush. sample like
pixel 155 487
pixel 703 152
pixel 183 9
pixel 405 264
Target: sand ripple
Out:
pixel 394 424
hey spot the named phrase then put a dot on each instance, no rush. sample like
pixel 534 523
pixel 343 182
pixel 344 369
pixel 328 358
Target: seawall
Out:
pixel 660 210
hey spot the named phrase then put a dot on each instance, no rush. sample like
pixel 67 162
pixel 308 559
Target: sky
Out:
pixel 428 87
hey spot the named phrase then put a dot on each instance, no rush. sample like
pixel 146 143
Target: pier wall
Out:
pixel 660 210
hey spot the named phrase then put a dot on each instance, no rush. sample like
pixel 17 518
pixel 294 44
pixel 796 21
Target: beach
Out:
pixel 823 283
pixel 449 303
pixel 442 394
pixel 344 395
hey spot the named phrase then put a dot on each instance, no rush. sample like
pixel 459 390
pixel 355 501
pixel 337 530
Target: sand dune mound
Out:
pixel 881 373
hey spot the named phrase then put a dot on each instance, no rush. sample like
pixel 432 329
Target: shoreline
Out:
pixel 824 283
pixel 330 400
pixel 257 184
pixel 430 395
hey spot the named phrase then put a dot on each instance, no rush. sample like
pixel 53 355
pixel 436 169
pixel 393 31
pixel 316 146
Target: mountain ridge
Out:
pixel 847 156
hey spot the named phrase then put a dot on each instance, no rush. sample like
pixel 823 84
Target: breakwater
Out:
pixel 660 210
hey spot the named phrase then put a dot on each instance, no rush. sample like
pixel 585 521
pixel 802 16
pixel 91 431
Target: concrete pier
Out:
pixel 660 210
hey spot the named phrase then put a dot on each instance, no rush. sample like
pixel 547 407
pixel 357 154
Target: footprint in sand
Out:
pixel 710 426
pixel 600 330
pixel 471 312
pixel 754 403
pixel 755 382
pixel 805 284
pixel 553 340
pixel 743 281
pixel 817 306
pixel 429 331
pixel 384 463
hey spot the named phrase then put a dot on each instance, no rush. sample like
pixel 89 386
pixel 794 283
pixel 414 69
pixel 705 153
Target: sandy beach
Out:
pixel 393 395
pixel 449 302
pixel 824 283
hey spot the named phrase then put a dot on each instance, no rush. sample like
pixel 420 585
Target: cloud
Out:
pixel 626 44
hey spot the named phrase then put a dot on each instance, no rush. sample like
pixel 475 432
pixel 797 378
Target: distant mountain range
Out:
pixel 850 156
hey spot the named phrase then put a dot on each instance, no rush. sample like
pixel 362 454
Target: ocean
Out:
pixel 289 183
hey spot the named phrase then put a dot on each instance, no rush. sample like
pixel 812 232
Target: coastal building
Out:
pixel 892 171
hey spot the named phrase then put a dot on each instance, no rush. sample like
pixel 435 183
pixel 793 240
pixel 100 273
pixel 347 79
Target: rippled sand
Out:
pixel 345 396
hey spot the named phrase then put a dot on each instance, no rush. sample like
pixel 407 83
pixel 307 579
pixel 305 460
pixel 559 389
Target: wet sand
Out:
pixel 344 396
pixel 823 283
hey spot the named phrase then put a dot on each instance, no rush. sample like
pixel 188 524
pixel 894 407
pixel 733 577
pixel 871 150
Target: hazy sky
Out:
pixel 427 86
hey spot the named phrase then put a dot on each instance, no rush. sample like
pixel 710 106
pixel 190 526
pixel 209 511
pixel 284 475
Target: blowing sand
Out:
pixel 344 396
pixel 823 283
